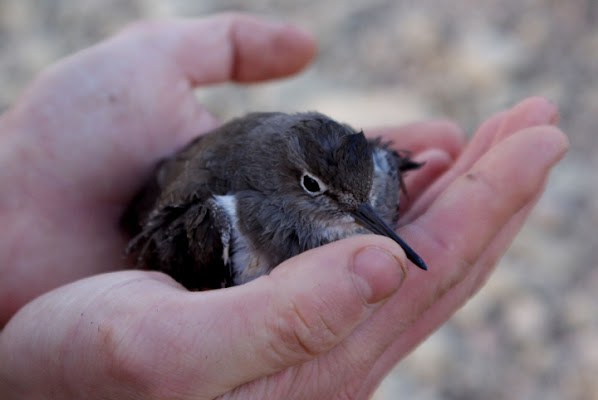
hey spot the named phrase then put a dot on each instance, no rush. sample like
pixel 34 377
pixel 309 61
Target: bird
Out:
pixel 239 200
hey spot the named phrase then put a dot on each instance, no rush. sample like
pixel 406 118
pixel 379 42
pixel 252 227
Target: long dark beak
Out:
pixel 367 217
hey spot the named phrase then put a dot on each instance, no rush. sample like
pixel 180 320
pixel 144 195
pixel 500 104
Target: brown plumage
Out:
pixel 241 199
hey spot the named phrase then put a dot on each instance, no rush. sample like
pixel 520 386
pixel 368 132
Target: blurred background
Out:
pixel 532 332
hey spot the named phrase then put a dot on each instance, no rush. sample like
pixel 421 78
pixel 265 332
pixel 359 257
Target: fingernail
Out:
pixel 378 274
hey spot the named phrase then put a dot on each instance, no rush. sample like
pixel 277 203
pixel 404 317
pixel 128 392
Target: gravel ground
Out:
pixel 532 332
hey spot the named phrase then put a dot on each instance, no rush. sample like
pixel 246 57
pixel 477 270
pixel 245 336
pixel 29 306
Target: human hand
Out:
pixel 84 135
pixel 313 328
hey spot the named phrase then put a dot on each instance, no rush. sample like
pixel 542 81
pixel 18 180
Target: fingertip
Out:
pixel 538 108
pixel 454 137
pixel 532 111
pixel 228 46
pixel 448 136
pixel 267 49
pixel 551 141
pixel 563 140
pixel 435 156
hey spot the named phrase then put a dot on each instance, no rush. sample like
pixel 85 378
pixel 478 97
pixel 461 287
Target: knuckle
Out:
pixel 302 330
pixel 119 361
pixel 122 362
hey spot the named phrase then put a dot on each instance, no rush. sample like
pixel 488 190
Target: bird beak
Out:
pixel 367 217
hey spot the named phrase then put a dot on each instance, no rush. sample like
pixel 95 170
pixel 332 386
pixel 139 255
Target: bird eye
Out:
pixel 312 185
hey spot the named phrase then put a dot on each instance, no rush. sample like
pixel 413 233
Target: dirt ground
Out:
pixel 532 332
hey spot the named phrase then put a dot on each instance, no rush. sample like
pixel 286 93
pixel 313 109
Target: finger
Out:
pixel 88 327
pixel 304 308
pixel 133 95
pixel 496 187
pixel 533 111
pixel 230 47
pixel 462 223
pixel 530 112
pixel 419 136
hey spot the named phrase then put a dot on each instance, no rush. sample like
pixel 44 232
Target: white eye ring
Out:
pixel 312 185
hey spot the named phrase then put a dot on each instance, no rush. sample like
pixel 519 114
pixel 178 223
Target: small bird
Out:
pixel 241 199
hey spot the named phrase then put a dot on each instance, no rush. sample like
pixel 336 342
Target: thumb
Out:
pixel 306 306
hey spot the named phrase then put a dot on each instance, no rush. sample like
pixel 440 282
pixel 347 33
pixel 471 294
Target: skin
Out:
pixel 329 323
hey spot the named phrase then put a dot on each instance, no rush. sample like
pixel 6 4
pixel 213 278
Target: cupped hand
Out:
pixel 329 323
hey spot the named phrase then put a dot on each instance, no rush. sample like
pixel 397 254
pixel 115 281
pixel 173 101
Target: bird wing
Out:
pixel 189 242
pixel 178 228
